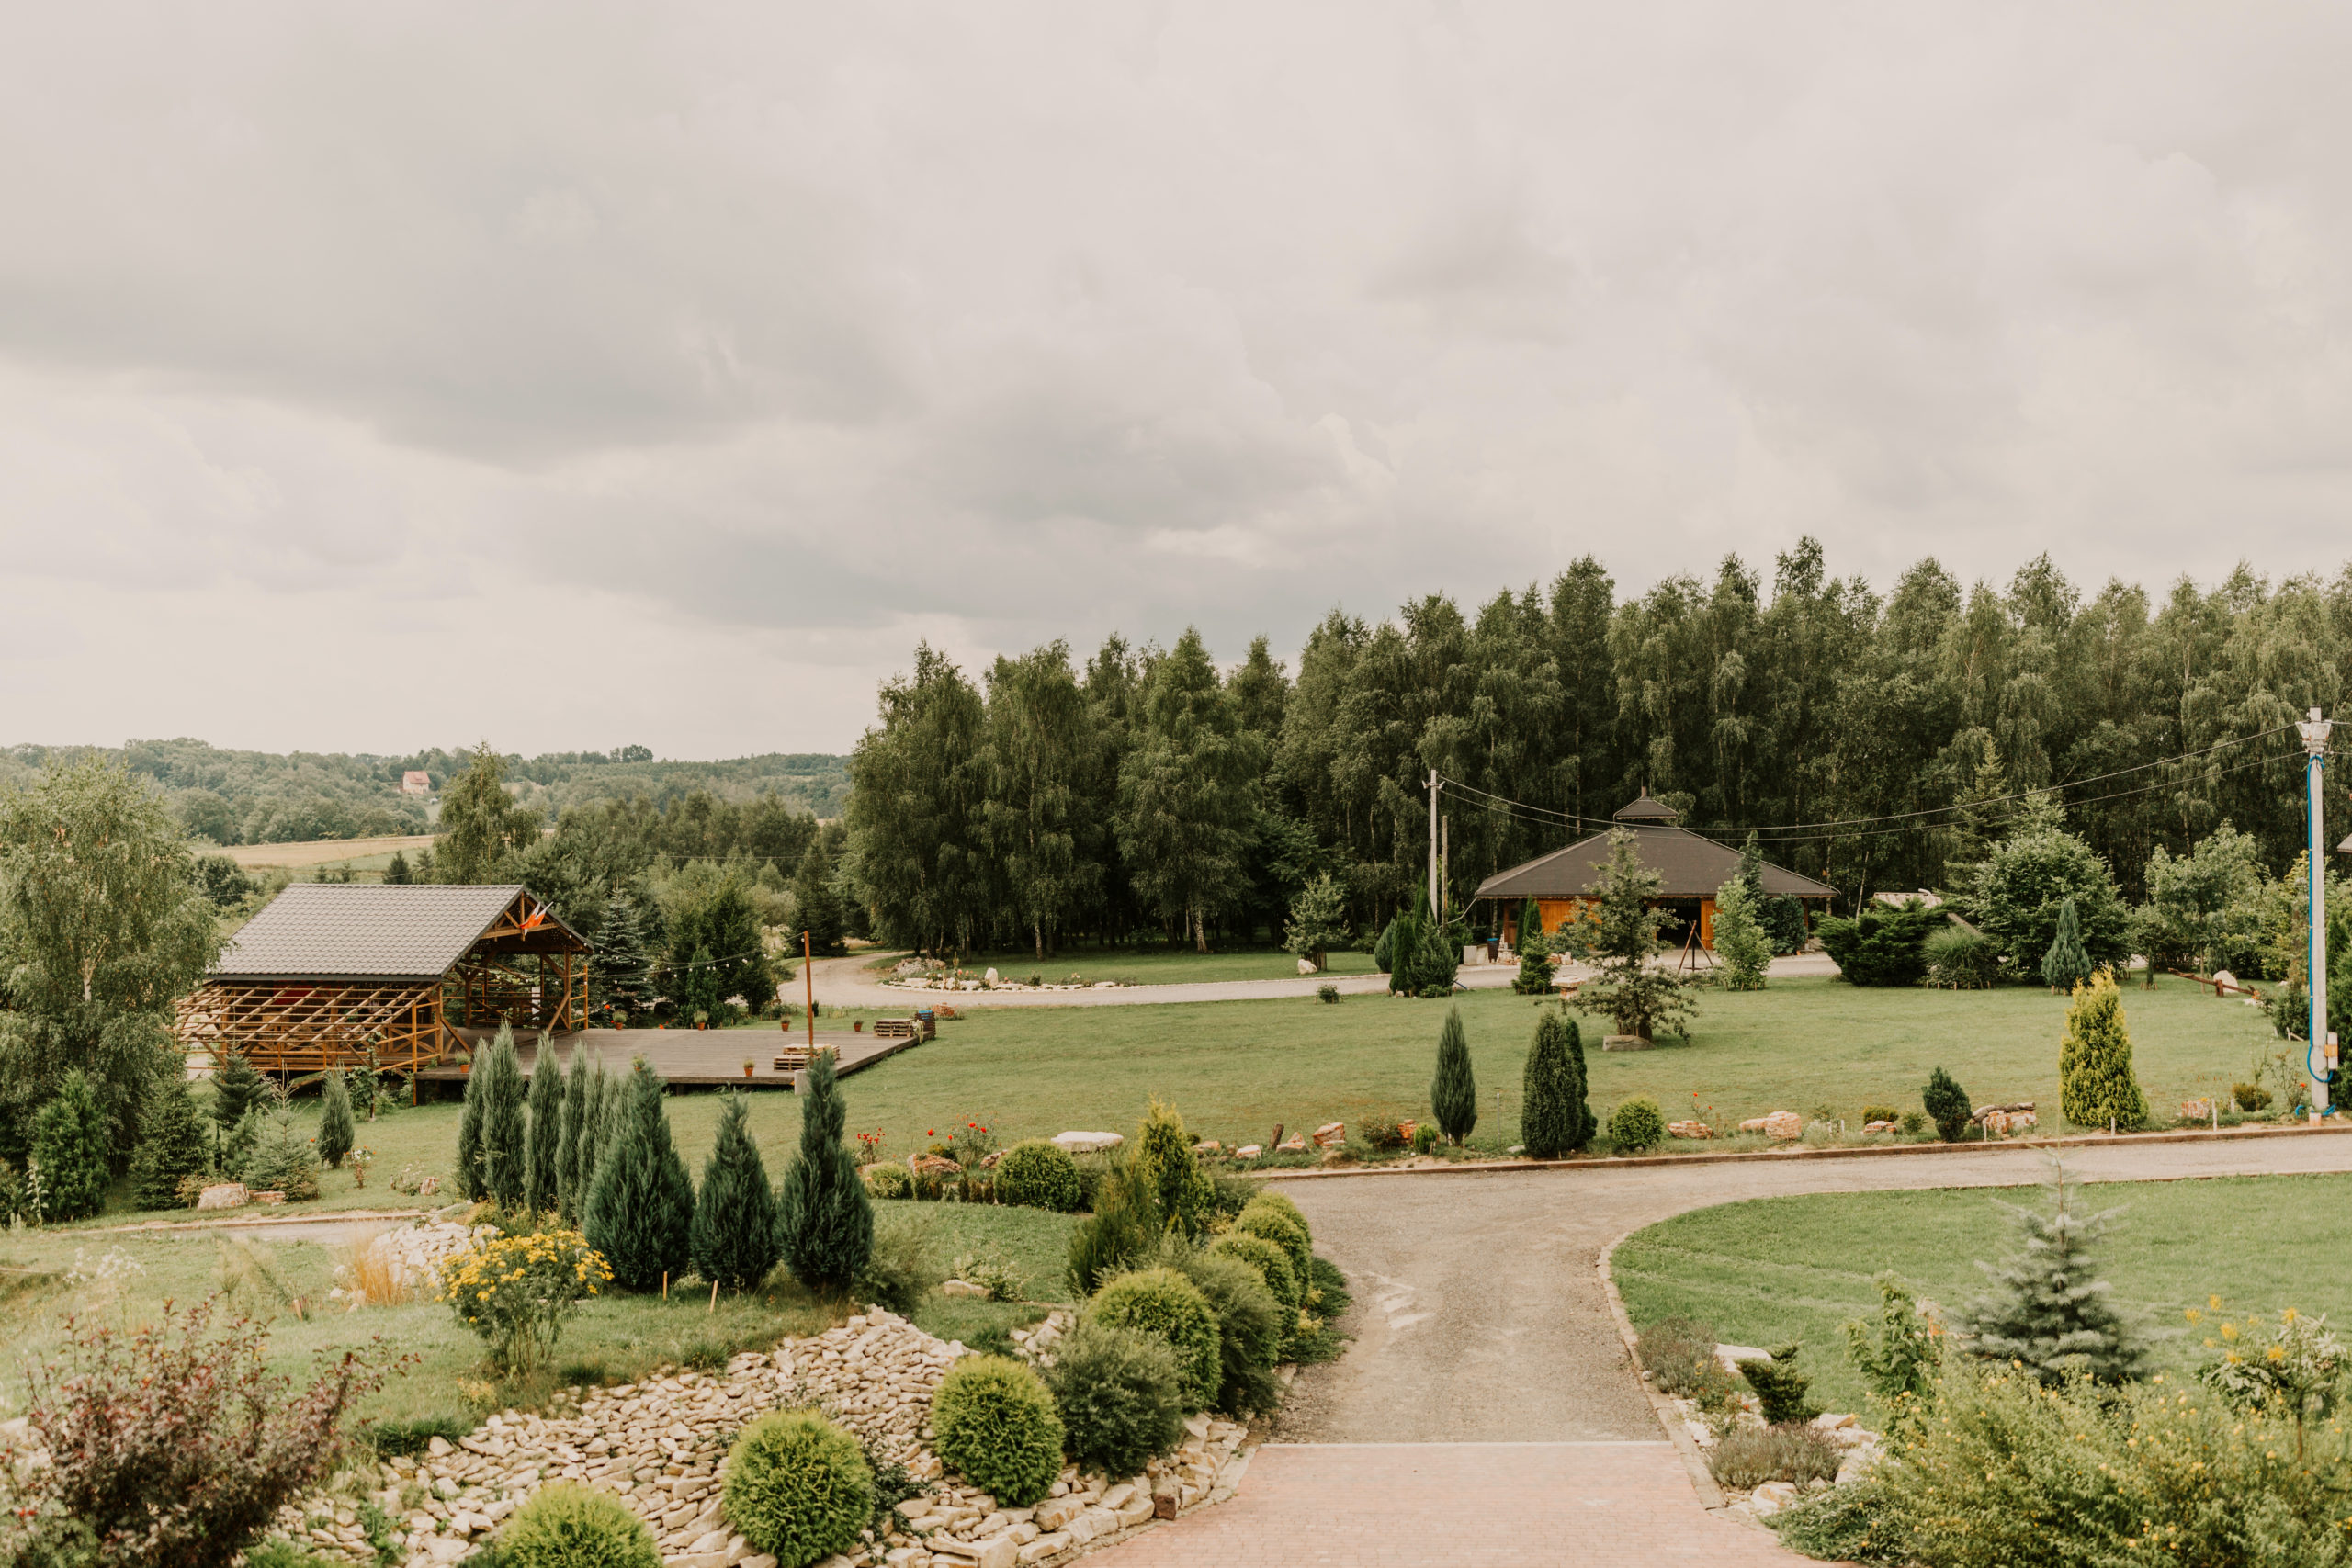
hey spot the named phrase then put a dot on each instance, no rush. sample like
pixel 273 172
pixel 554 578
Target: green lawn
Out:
pixel 1773 1269
pixel 1152 966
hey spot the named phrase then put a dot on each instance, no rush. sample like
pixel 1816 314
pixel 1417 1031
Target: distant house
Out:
pixel 1690 869
pixel 416 780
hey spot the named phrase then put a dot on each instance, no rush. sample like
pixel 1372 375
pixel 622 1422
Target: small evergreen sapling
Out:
pixel 733 1241
pixel 1551 1099
pixel 641 1205
pixel 542 1171
pixel 2065 965
pixel 1739 937
pixel 1947 1106
pixel 472 1179
pixel 1780 1387
pixel 174 1143
pixel 568 1182
pixel 336 1131
pixel 69 1145
pixel 2096 1085
pixel 504 1124
pixel 1453 1092
pixel 824 1219
pixel 1182 1192
pixel 1534 976
pixel 2047 1310
pixel 237 1087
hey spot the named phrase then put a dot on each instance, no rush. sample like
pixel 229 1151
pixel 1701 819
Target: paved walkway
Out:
pixel 1485 1363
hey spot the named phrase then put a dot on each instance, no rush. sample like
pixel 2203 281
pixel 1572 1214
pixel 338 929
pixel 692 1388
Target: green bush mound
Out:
pixel 1881 947
pixel 1636 1126
pixel 1269 1223
pixel 1250 1326
pixel 890 1181
pixel 1279 1200
pixel 566 1525
pixel 997 1427
pixel 1120 1396
pixel 1270 1260
pixel 1165 1306
pixel 1036 1174
pixel 797 1487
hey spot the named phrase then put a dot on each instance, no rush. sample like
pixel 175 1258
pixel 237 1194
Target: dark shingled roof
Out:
pixel 1691 867
pixel 332 929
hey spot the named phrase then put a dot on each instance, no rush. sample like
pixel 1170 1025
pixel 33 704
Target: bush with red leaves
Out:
pixel 174 1445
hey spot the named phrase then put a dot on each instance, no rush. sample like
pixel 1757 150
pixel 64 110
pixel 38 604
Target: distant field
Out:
pixel 363 855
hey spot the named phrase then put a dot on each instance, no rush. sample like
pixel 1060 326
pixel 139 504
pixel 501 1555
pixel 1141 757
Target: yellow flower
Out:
pixel 2229 1331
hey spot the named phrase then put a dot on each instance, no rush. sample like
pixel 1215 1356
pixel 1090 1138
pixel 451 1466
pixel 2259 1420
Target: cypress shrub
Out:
pixel 1384 950
pixel 1271 1223
pixel 1947 1106
pixel 996 1427
pixel 1454 1093
pixel 824 1219
pixel 1635 1125
pixel 1879 946
pixel 2065 966
pixel 1270 1260
pixel 1780 1387
pixel 172 1146
pixel 641 1205
pixel 1165 1163
pixel 504 1124
pixel 1587 1124
pixel 568 1184
pixel 542 1173
pixel 336 1131
pixel 797 1487
pixel 471 1180
pixel 1124 1223
pixel 1165 1305
pixel 733 1241
pixel 1036 1174
pixel 1551 1099
pixel 237 1087
pixel 69 1145
pixel 596 1127
pixel 1249 1328
pixel 566 1525
pixel 2094 1079
pixel 1119 1396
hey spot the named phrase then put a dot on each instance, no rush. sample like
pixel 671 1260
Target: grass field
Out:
pixel 362 854
pixel 1152 966
pixel 1773 1269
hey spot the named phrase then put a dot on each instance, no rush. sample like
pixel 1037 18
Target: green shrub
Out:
pixel 1271 1223
pixel 1275 1198
pixel 1844 1524
pixel 1914 1123
pixel 1036 1174
pixel 1636 1125
pixel 1250 1326
pixel 641 1210
pixel 336 1133
pixel 996 1427
pixel 898 1271
pixel 888 1180
pixel 2096 1085
pixel 732 1240
pixel 1675 1351
pixel 2250 1097
pixel 1882 946
pixel 1748 1457
pixel 1385 1135
pixel 1167 1306
pixel 1270 1260
pixel 70 1145
pixel 1326 992
pixel 1880 1113
pixel 797 1487
pixel 1780 1387
pixel 566 1525
pixel 1120 1395
pixel 1425 1137
pixel 1947 1106
pixel 1962 960
pixel 1125 1224
pixel 393 1440
pixel 1164 1162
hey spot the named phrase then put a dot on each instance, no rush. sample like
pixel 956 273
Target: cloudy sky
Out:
pixel 378 376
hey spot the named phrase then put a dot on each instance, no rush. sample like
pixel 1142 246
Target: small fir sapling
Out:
pixel 640 1207
pixel 1780 1387
pixel 174 1143
pixel 824 1217
pixel 336 1131
pixel 2045 1309
pixel 237 1087
pixel 541 1171
pixel 733 1241
pixel 1947 1106
pixel 1453 1092
pixel 69 1145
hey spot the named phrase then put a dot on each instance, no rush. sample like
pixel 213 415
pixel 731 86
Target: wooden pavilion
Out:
pixel 329 973
pixel 1690 869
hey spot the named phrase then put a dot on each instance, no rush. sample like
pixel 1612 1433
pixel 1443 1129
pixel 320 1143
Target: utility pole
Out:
pixel 2319 1060
pixel 1433 843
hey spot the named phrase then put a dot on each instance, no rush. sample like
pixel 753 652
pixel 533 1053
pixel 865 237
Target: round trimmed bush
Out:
pixel 1270 1260
pixel 996 1426
pixel 1275 1199
pixel 1165 1306
pixel 1271 1222
pixel 888 1181
pixel 1120 1396
pixel 1036 1174
pixel 566 1525
pixel 1636 1125
pixel 797 1487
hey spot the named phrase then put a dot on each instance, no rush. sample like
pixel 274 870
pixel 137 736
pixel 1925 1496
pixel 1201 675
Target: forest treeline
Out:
pixel 1873 739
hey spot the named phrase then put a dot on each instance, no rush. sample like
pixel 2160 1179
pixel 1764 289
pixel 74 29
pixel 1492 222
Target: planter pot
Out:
pixel 747 1069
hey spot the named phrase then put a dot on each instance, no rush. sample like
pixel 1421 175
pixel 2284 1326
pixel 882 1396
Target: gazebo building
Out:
pixel 1691 870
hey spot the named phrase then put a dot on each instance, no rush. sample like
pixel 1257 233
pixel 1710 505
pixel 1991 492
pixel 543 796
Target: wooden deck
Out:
pixel 702 1058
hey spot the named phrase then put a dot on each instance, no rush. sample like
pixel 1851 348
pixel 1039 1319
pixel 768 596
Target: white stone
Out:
pixel 962 1288
pixel 1732 1355
pixel 1088 1142
pixel 1306 966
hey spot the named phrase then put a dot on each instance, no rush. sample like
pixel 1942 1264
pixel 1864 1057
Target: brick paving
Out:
pixel 1492 1504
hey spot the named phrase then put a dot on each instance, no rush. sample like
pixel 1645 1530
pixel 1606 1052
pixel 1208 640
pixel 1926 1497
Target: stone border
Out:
pixel 1702 1480
pixel 2334 1125
pixel 317 1217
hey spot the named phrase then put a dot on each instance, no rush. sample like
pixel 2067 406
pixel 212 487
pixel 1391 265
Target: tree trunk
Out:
pixel 1200 932
pixel 1322 961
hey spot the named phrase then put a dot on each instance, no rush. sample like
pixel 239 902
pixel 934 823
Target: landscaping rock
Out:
pixel 1731 1355
pixel 1331 1135
pixel 1873 1127
pixel 1208 1146
pixel 227 1195
pixel 1779 1124
pixel 1689 1130
pixel 1306 966
pixel 1247 1151
pixel 1290 1146
pixel 1088 1142
pixel 963 1288
pixel 1627 1042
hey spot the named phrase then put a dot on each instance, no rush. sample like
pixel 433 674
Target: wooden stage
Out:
pixel 699 1058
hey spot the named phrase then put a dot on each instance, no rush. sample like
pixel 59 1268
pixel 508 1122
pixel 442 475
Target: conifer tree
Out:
pixel 336 1131
pixel 618 968
pixel 1165 1162
pixel 733 1241
pixel 397 873
pixel 2046 1308
pixel 174 1143
pixel 641 1210
pixel 568 1185
pixel 237 1087
pixel 70 1145
pixel 1587 1124
pixel 542 1175
pixel 1535 949
pixel 824 1219
pixel 1454 1093
pixel 2096 1083
pixel 1549 1115
pixel 595 1129
pixel 1619 941
pixel 818 906
pixel 2066 964
pixel 504 1124
pixel 472 1179
pixel 1319 922
pixel 1739 936
pixel 1947 1105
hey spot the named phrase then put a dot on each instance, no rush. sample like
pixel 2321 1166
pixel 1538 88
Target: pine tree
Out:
pixel 1550 1114
pixel 1619 941
pixel 69 1145
pixel 640 1211
pixel 824 1219
pixel 336 1131
pixel 2096 1084
pixel 472 1179
pixel 1947 1105
pixel 818 905
pixel 1454 1093
pixel 1318 921
pixel 617 968
pixel 175 1143
pixel 503 1125
pixel 1535 949
pixel 396 873
pixel 2047 1309
pixel 542 1171
pixel 568 1185
pixel 237 1087
pixel 733 1240
pixel 1739 938
pixel 2065 965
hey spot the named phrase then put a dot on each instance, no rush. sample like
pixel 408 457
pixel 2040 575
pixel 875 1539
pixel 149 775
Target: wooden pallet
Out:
pixel 894 1028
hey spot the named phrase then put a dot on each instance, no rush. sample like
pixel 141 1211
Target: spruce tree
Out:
pixel 618 969
pixel 336 1131
pixel 472 1179
pixel 1947 1106
pixel 733 1241
pixel 69 1145
pixel 819 907
pixel 175 1143
pixel 542 1172
pixel 824 1219
pixel 1535 949
pixel 1549 1118
pixel 2047 1309
pixel 2096 1084
pixel 640 1211
pixel 568 1185
pixel 2065 965
pixel 237 1087
pixel 503 1125
pixel 1453 1092
pixel 396 873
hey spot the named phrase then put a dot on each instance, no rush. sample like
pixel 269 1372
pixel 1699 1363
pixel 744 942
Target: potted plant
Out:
pixel 620 1018
pixel 748 1065
pixel 702 1018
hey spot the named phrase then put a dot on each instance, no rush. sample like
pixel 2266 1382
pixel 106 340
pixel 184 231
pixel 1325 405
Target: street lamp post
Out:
pixel 2319 1057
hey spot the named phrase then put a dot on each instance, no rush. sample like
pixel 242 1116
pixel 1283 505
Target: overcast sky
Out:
pixel 381 376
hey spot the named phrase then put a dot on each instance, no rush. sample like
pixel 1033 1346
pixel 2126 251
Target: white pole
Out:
pixel 2315 732
pixel 1433 913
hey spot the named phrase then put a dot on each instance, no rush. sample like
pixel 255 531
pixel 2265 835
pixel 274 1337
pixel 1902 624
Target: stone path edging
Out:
pixel 308 1217
pixel 1702 1480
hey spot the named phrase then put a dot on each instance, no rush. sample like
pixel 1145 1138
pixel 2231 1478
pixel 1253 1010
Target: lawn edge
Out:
pixel 1702 1480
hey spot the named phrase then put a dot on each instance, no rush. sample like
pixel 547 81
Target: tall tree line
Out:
pixel 1146 791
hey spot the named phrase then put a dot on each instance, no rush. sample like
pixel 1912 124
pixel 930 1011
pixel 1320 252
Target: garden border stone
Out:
pixel 1702 1480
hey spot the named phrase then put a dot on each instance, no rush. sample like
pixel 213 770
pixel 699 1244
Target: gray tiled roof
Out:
pixel 1689 866
pixel 317 929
